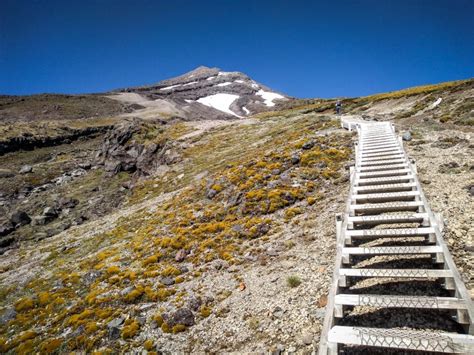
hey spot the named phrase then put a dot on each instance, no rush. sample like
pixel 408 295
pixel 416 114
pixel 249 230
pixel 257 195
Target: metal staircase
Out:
pixel 388 217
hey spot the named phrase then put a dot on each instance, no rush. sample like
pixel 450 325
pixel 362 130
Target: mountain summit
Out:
pixel 209 93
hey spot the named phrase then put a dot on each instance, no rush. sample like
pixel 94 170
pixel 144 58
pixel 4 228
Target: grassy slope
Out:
pixel 244 166
pixel 56 107
pixel 245 161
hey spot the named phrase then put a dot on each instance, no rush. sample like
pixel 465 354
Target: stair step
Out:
pixel 409 339
pixel 377 134
pixel 401 273
pixel 379 147
pixel 366 150
pixel 388 219
pixel 374 208
pixel 383 180
pixel 391 301
pixel 378 138
pixel 384 173
pixel 378 162
pixel 421 249
pixel 386 197
pixel 385 188
pixel 390 156
pixel 366 156
pixel 382 167
pixel 392 232
pixel 385 143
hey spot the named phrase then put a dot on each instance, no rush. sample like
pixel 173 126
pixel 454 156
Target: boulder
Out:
pixel 85 166
pixel 167 281
pixel 308 145
pixel 67 202
pixel 50 212
pixel 113 166
pixel 182 316
pixel 295 159
pixel 406 136
pixel 20 218
pixel 194 303
pixel 25 169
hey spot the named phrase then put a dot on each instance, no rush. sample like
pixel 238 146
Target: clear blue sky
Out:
pixel 302 48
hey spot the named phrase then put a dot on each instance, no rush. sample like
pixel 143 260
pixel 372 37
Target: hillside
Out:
pixel 153 223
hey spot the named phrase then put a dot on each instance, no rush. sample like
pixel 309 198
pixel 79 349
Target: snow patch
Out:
pixel 220 102
pixel 436 103
pixel 255 85
pixel 210 78
pixel 224 84
pixel 269 97
pixel 240 81
pixel 246 110
pixel 188 101
pixel 191 83
pixel 170 87
pixel 224 73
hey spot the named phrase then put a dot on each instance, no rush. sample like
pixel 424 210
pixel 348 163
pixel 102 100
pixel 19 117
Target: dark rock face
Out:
pixel 6 241
pixel 20 218
pixel 6 228
pixel 120 152
pixel 29 142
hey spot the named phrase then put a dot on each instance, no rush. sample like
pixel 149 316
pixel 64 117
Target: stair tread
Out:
pixel 413 339
pixel 390 232
pixel 400 301
pixel 385 143
pixel 382 167
pixel 385 187
pixel 385 219
pixel 402 273
pixel 387 196
pixel 383 172
pixel 365 150
pixel 377 180
pixel 402 249
pixel 381 162
pixel 387 205
pixel 384 155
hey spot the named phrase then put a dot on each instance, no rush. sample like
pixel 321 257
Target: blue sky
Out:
pixel 302 48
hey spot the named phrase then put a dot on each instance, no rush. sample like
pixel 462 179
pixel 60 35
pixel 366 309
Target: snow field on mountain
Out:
pixel 220 102
pixel 269 97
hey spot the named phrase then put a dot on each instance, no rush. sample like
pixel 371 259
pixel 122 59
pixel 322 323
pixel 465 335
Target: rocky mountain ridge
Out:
pixel 205 93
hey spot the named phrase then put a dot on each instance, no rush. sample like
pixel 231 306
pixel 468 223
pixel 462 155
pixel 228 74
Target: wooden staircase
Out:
pixel 388 219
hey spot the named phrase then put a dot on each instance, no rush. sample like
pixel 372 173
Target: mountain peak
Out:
pixel 210 93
